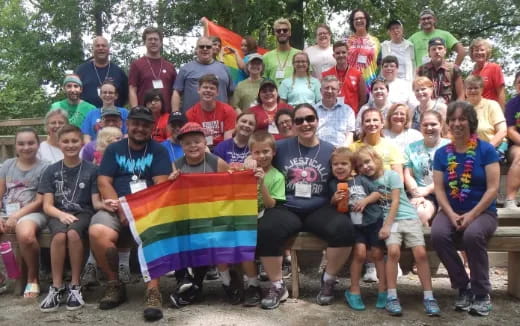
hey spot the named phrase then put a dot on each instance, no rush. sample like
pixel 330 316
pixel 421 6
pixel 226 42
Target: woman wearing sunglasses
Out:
pixel 304 161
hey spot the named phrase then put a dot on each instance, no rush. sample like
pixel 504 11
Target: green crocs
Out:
pixel 381 300
pixel 354 301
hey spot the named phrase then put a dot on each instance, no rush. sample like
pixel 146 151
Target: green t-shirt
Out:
pixel 77 113
pixel 420 42
pixel 385 184
pixel 276 60
pixel 274 181
pixel 245 94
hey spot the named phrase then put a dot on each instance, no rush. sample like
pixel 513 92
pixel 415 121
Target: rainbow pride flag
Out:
pixel 196 220
pixel 232 40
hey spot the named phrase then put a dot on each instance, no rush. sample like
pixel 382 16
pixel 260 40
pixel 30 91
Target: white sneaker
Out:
pixel 370 274
pixel 510 204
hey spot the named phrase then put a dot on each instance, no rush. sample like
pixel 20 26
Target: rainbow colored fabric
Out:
pixel 196 220
pixel 232 40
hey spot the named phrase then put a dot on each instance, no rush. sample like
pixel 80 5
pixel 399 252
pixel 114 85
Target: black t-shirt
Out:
pixel 71 194
pixel 121 163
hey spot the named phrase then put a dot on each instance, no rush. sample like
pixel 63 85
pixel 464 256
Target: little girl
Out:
pixel 367 218
pixel 401 223
pixel 106 136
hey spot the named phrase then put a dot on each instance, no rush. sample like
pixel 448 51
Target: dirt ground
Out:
pixel 215 311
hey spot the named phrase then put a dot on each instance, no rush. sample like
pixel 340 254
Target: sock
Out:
pixel 288 259
pixel 252 281
pixel 327 277
pixel 391 293
pixel 278 284
pixel 225 277
pixel 124 258
pixel 428 295
pixel 91 259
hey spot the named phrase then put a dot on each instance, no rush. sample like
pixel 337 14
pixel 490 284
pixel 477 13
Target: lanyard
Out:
pixel 97 74
pixel 151 69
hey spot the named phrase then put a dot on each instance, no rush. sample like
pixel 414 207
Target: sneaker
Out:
pixel 89 276
pixel 274 297
pixel 381 300
pixel 464 300
pixel 286 268
pixel 75 298
pixel 262 275
pixel 370 275
pixel 115 294
pixel 326 294
pixel 152 305
pixel 510 204
pixel 53 299
pixel 252 296
pixel 235 289
pixel 124 274
pixel 354 301
pixel 212 274
pixel 184 284
pixel 481 306
pixel 190 295
pixel 393 306
pixel 431 307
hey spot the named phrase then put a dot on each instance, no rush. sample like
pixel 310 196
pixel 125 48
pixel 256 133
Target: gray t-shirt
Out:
pixel 20 186
pixel 187 82
pixel 208 165
pixel 71 194
pixel 359 188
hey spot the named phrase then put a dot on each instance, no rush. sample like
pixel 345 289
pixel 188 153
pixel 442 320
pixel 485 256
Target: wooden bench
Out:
pixel 505 239
pixel 7 142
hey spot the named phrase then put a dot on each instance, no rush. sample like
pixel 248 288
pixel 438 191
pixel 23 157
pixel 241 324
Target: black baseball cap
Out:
pixel 436 41
pixel 177 118
pixel 394 22
pixel 141 113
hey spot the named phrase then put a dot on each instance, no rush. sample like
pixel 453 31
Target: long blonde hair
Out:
pixel 107 136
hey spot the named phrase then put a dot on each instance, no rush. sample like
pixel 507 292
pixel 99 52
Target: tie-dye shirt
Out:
pixel 363 54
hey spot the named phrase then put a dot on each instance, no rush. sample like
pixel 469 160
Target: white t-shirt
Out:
pixel 321 59
pixel 403 139
pixel 401 92
pixel 49 153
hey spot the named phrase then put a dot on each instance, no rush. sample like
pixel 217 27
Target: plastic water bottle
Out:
pixel 342 205
pixel 6 250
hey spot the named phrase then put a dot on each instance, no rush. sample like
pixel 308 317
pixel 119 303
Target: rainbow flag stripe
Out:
pixel 196 220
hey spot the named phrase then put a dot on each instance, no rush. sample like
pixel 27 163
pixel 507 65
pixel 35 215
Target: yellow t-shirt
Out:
pixel 489 114
pixel 388 152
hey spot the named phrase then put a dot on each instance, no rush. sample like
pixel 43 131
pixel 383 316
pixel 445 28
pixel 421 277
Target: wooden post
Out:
pixel 513 274
pixel 295 275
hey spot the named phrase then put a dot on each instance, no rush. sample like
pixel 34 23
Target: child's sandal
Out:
pixel 32 290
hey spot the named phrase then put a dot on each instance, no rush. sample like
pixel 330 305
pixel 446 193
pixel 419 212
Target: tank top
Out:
pixel 208 165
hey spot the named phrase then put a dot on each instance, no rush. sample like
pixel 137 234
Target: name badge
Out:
pixel 395 227
pixel 426 59
pixel 356 217
pixel 137 185
pixel 303 190
pixel 272 129
pixel 209 140
pixel 157 83
pixel 362 59
pixel 280 74
pixel 12 208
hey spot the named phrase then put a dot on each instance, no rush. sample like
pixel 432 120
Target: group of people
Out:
pixel 357 122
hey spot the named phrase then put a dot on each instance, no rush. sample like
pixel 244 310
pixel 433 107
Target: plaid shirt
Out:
pixel 335 122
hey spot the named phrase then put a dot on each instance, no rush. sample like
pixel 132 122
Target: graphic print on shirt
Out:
pixel 64 194
pixel 212 128
pixel 307 171
pixel 136 166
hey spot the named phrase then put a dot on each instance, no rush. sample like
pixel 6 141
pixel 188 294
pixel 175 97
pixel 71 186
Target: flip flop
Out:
pixel 32 290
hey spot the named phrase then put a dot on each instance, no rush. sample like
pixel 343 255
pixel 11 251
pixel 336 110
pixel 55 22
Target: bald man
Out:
pixel 99 68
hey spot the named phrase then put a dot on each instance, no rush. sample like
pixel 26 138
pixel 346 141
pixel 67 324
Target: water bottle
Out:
pixel 6 250
pixel 342 205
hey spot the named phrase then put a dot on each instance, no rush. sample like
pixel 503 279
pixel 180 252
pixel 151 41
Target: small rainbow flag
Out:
pixel 196 220
pixel 232 40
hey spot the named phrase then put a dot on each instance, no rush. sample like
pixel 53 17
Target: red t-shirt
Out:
pixel 160 130
pixel 144 71
pixel 216 122
pixel 493 78
pixel 349 82
pixel 264 118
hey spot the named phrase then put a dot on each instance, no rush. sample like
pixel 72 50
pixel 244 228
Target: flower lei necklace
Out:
pixel 462 192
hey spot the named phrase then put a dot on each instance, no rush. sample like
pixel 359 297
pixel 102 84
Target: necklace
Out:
pixel 304 173
pixel 134 176
pixel 462 192
pixel 71 199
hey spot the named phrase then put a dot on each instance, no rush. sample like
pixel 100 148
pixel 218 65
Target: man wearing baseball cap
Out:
pixel 428 31
pixel 446 76
pixel 128 166
pixel 176 121
pixel 75 107
pixel 110 117
pixel 247 90
pixel 400 48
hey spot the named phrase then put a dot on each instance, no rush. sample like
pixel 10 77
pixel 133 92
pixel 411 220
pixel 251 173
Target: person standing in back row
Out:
pixel 151 71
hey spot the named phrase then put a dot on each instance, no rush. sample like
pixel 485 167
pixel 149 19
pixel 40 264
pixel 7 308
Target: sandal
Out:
pixel 32 290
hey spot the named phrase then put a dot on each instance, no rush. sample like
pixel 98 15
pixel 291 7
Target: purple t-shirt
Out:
pixel 230 152
pixel 88 151
pixel 513 112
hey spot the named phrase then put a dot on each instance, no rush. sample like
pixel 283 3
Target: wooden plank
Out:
pixel 295 275
pixel 22 122
pixel 513 274
pixel 9 139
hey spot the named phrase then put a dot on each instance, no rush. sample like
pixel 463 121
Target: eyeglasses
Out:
pixel 205 47
pixel 141 109
pixel 281 30
pixel 309 119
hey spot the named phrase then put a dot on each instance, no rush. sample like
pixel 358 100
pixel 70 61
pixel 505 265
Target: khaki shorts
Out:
pixel 111 220
pixel 410 231
pixel 38 218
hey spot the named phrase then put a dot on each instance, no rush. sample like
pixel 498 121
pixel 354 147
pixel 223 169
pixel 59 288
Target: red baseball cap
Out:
pixel 191 128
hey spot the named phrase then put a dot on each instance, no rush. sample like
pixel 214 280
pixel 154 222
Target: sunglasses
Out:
pixel 309 119
pixel 205 47
pixel 282 30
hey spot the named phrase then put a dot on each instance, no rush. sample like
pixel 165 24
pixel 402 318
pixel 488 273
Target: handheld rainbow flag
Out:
pixel 232 40
pixel 196 220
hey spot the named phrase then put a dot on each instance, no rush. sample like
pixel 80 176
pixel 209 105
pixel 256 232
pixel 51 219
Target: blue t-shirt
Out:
pixel 92 123
pixel 174 150
pixel 120 163
pixel 230 152
pixel 305 165
pixel 485 154
pixel 389 181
